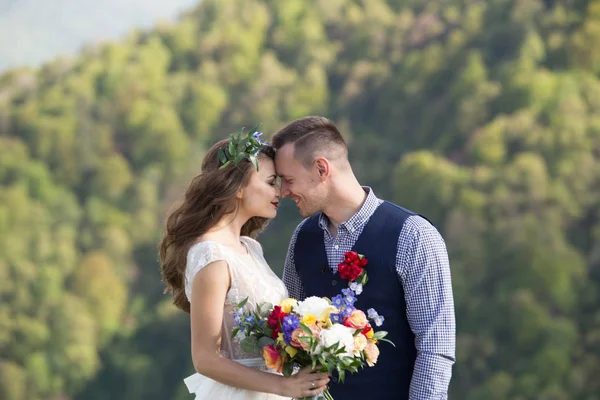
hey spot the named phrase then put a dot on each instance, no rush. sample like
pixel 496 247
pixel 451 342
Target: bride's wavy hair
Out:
pixel 209 197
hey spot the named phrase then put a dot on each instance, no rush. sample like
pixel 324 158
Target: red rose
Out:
pixel 275 317
pixel 275 333
pixel 347 271
pixel 355 272
pixel 352 267
pixel 351 256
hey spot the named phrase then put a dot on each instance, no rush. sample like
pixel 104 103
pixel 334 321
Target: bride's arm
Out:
pixel 209 290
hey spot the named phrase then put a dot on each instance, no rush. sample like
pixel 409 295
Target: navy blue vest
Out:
pixel 390 377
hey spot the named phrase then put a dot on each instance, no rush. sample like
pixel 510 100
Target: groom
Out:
pixel 408 269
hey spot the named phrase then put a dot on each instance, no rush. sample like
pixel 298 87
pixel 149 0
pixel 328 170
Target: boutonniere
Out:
pixel 353 270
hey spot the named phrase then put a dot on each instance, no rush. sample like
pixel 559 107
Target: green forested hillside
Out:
pixel 482 115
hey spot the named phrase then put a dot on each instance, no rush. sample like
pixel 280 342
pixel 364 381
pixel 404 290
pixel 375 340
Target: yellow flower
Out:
pixel 287 305
pixel 291 351
pixel 309 319
pixel 279 339
pixel 370 333
pixel 327 311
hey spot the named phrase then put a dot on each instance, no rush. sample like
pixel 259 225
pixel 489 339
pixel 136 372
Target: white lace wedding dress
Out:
pixel 251 277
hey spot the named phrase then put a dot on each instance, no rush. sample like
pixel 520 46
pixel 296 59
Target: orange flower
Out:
pixel 356 320
pixel 371 353
pixel 298 333
pixel 273 358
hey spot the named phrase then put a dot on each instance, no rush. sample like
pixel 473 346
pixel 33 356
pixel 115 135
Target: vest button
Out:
pixel 334 283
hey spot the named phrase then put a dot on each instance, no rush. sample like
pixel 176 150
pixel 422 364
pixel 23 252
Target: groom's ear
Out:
pixel 323 168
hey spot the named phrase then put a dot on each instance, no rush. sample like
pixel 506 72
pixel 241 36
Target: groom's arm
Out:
pixel 291 279
pixel 424 271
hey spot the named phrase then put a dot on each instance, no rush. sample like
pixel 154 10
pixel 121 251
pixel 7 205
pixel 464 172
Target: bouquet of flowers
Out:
pixel 327 334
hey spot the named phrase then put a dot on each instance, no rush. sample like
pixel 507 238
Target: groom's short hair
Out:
pixel 312 136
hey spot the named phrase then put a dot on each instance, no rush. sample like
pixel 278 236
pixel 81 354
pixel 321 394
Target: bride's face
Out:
pixel 261 197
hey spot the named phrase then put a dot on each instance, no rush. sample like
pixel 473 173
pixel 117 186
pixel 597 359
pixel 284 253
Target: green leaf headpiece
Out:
pixel 242 147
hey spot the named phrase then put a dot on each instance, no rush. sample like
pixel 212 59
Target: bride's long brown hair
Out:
pixel 209 196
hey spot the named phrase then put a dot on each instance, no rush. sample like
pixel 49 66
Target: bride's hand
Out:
pixel 305 383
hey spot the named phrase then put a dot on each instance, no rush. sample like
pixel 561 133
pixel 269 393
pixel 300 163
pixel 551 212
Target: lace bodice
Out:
pixel 251 277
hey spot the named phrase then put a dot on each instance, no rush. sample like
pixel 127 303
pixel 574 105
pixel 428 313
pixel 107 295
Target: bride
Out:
pixel 210 262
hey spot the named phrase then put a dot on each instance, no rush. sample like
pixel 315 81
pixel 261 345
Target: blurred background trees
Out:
pixel 482 115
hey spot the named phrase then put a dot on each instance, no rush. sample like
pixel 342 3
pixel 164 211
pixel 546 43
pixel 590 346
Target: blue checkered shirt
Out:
pixel 424 270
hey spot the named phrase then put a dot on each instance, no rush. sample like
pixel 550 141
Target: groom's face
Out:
pixel 298 182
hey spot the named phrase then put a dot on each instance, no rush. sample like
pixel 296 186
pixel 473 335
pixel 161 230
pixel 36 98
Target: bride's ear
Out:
pixel 240 194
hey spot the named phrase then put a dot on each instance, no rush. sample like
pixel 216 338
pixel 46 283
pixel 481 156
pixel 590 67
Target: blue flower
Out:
pixel 261 323
pixel 287 337
pixel 237 317
pixel 371 313
pixel 379 320
pixel 290 323
pixel 346 311
pixel 338 301
pixel 256 135
pixel 349 296
pixel 356 287
pixel 250 319
pixel 336 318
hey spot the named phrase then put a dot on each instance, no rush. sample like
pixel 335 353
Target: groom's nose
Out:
pixel 285 192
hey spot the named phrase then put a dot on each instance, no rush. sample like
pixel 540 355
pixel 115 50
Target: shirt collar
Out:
pixel 362 215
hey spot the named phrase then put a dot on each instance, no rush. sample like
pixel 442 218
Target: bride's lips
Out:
pixel 275 204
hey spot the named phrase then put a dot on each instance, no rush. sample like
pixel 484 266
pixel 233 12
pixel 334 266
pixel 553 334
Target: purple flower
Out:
pixel 237 317
pixel 356 287
pixel 336 318
pixel 287 337
pixel 346 311
pixel 338 301
pixel 349 296
pixel 375 317
pixel 290 323
pixel 256 135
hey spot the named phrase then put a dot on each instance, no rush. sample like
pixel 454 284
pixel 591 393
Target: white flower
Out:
pixel 356 287
pixel 239 336
pixel 312 305
pixel 341 334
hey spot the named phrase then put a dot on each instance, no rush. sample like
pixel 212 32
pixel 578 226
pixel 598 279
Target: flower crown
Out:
pixel 240 148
